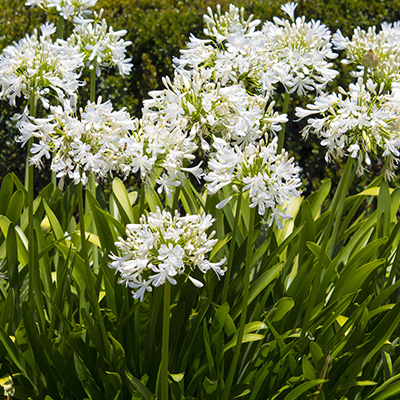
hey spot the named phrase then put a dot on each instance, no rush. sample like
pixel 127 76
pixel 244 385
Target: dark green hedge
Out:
pixel 158 30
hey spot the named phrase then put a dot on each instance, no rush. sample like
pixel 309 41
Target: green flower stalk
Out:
pixel 243 315
pixel 159 250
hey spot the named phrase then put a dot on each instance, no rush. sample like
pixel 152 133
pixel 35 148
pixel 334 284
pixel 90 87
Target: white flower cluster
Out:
pixel 163 247
pixel 195 101
pixel 293 52
pixel 151 145
pixel 270 178
pixel 101 45
pixel 357 123
pixel 36 66
pixel 298 52
pixel 221 26
pixel 89 145
pixel 68 9
pixel 385 45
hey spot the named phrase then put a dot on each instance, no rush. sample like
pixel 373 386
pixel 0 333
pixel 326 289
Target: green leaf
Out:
pixel 178 377
pixel 380 334
pixel 41 357
pixel 65 372
pixel 4 224
pixel 220 244
pixel 308 369
pixel 118 354
pixel 317 356
pixel 365 383
pixel 383 213
pixel 351 280
pixel 388 390
pixel 220 317
pixel 247 338
pixel 6 190
pixel 138 385
pixel 55 225
pixel 240 390
pixel 373 191
pixel 152 199
pixel 296 393
pixel 115 379
pixel 16 356
pixel 280 309
pixel 188 200
pixel 394 204
pixel 14 209
pixel 102 220
pixel 317 198
pixel 122 200
pixel 208 353
pixel 12 258
pixel 258 286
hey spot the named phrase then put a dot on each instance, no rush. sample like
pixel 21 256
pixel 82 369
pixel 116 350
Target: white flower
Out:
pixel 383 45
pixel 36 65
pixel 358 123
pixel 66 8
pixel 298 52
pixel 163 247
pixel 166 183
pixel 101 45
pixel 92 144
pixel 289 9
pixel 3 275
pixel 271 179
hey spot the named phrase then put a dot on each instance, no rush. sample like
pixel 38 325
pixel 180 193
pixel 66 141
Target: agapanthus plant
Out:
pixel 68 9
pixel 161 248
pixel 101 45
pixel 36 66
pixel 90 143
pixel 376 54
pixel 358 124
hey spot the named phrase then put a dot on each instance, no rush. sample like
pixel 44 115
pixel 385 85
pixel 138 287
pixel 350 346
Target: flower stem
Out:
pixel 60 27
pixel 90 279
pixel 282 132
pixel 142 198
pixel 60 35
pixel 82 224
pixel 29 188
pixel 165 342
pixel 176 199
pixel 365 76
pixel 232 249
pixel 91 186
pixel 338 202
pixel 93 84
pixel 243 315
